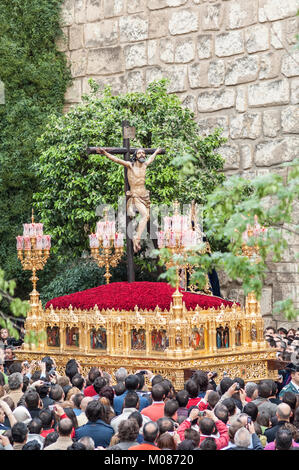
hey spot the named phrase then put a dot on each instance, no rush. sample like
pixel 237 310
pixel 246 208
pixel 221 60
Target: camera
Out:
pixel 201 414
pixel 238 386
pixel 214 375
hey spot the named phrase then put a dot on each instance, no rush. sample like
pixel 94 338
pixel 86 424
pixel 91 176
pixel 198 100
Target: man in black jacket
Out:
pixel 283 414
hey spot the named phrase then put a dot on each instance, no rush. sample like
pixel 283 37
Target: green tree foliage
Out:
pixel 35 76
pixel 230 208
pixel 73 184
pixel 13 305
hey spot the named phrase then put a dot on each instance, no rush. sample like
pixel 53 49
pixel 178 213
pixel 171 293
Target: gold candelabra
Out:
pixel 106 246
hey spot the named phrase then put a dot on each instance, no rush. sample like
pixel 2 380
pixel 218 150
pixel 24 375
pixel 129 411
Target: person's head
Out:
pixel 264 389
pixel 19 433
pixel 139 156
pixel 170 408
pixel 121 374
pixel 88 442
pixel 32 445
pixel 76 446
pixel 35 426
pixel 182 398
pixel 93 374
pixel 225 384
pixel 283 412
pixel 251 410
pixel 150 431
pixel 263 418
pixel 15 381
pixel 65 427
pixel 141 381
pixel 165 425
pixel 32 399
pixel 239 381
pixel 251 390
pixel 131 400
pixel 47 418
pixel 208 444
pixel 128 430
pixel 158 392
pixel 131 382
pixel 230 405
pixel 295 375
pixel 43 390
pixel 187 444
pixel 95 411
pixel 201 378
pixel 16 366
pixel 168 387
pixel 56 393
pixel 270 330
pixel 283 439
pixel 63 381
pixel 71 368
pixel 138 417
pixel 10 402
pixel 50 438
pixel 166 441
pixel 4 333
pixel 71 415
pixel 85 402
pixel 242 438
pixel 71 392
pixel 290 399
pixel 119 388
pixel 78 381
pixel 49 363
pixel 157 379
pixel 221 412
pixel 213 399
pixel 99 383
pixel 192 388
pixel 76 399
pixel 107 392
pixel 282 332
pixel 233 428
pixel 207 426
pixel 192 435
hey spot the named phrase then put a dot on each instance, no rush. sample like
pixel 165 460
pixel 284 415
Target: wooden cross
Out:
pixel 127 151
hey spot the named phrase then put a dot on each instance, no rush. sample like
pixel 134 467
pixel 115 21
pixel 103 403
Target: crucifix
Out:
pixel 137 196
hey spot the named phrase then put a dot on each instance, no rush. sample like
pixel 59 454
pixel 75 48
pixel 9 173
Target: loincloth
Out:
pixel 135 198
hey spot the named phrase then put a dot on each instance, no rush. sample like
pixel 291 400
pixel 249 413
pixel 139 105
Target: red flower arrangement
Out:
pixel 125 296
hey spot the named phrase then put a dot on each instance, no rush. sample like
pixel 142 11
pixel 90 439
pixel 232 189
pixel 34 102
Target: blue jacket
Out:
pixel 119 400
pixel 99 431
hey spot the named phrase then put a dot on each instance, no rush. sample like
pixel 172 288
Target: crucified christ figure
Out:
pixel 138 196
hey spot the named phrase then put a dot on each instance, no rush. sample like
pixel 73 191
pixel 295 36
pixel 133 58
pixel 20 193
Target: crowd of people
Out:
pixel 41 409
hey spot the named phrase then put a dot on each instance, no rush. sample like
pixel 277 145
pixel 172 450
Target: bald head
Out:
pixel 65 427
pixel 150 431
pixel 283 412
pixel 85 402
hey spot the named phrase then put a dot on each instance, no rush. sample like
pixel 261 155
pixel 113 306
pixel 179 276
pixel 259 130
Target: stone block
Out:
pixel 136 6
pixel 242 70
pixel 231 155
pixel 104 61
pixel 74 92
pixel 276 30
pixel 135 81
pixel 135 55
pixel 268 93
pixel 94 10
pixel 189 102
pixel 290 64
pixel 101 34
pixel 209 101
pixel 153 73
pixel 152 52
pixel 67 14
pixel 197 78
pixel 208 124
pixel 240 13
pixel 246 156
pixel 158 4
pixel 216 73
pixel 183 21
pixel 80 11
pixel 276 151
pixel 269 65
pixel 266 301
pixel 76 37
pixel 204 46
pixel 242 99
pixel 133 28
pixel 257 38
pixel 177 74
pixel 158 24
pixel 167 50
pixel 246 126
pixel 272 10
pixel 271 122
pixel 295 91
pixel 290 120
pixel 230 43
pixel 114 8
pixel 212 16
pixel 184 50
pixel 78 61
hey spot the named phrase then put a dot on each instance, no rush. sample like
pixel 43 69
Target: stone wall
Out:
pixel 233 62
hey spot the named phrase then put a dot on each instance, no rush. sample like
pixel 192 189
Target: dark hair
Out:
pixel 19 432
pixel 264 389
pixel 56 392
pixel 221 412
pixel 263 418
pixel 77 398
pixel 208 444
pixel 93 374
pixel 119 388
pixel 49 363
pixel 225 384
pixel 273 386
pixel 207 426
pixel 165 425
pixel 192 388
pixel 26 382
pixel 138 417
pixel 192 435
pixel 141 380
pixel 150 431
pixel 230 405
pixel 43 390
pixel 158 392
pixel 31 399
pixel 16 366
pixel 51 438
pixel 239 381
pixel 47 417
pixel 157 379
pixel 251 410
pixel 202 380
pixel 170 408
pixel 131 400
pixel 95 410
pixel 213 398
pixel 131 382
pixel 77 446
pixel 283 439
pixel 166 441
pixel 32 445
pixel 108 393
pixel 291 399
pixel 35 426
pixel 78 381
pixel 187 444
pixel 128 430
pixel 182 398
pixel 99 383
pixel 71 368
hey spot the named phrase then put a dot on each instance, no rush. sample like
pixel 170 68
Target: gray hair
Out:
pixel 15 380
pixel 242 438
pixel 88 442
pixel 121 374
pixel 250 388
